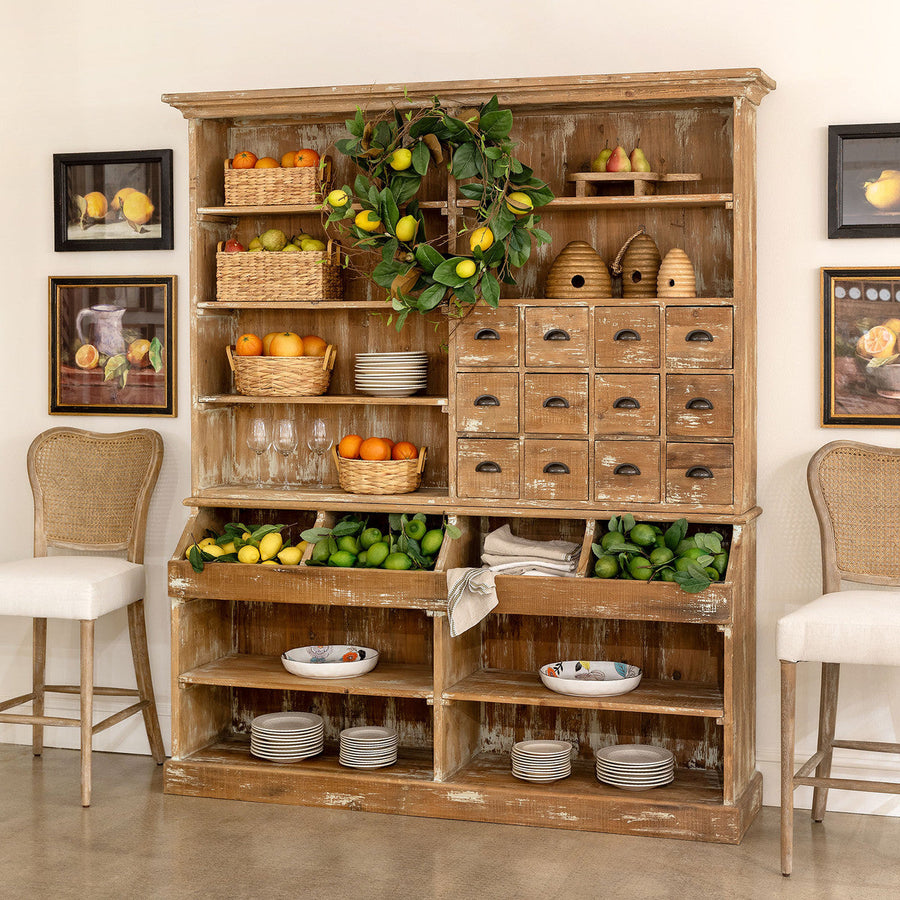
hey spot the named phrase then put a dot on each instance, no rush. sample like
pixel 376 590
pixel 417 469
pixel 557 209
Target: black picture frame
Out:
pixel 127 325
pixel 84 222
pixel 858 154
pixel 860 379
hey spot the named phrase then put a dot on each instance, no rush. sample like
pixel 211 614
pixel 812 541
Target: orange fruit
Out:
pixel 877 343
pixel 87 357
pixel 137 208
pixel 389 442
pixel 404 450
pixel 243 160
pixel 314 346
pixel 248 345
pixel 96 205
pixel 348 448
pixel 287 160
pixel 374 449
pixel 267 341
pixel 266 162
pixel 286 343
pixel 305 158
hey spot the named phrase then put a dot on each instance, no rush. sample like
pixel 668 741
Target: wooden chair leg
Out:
pixel 137 631
pixel 827 716
pixel 38 664
pixel 87 707
pixel 788 702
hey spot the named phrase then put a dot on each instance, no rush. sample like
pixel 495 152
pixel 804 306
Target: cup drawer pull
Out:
pixel 486 334
pixel 626 334
pixel 556 403
pixel 626 403
pixel 486 400
pixel 557 334
pixel 556 468
pixel 698 403
pixel 489 466
pixel 699 472
pixel 699 335
pixel 626 469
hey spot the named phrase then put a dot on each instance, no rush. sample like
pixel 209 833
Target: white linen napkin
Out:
pixel 471 595
pixel 522 566
pixel 503 542
pixel 494 561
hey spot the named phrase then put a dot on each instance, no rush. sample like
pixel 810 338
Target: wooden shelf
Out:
pixel 226 305
pixel 267 672
pixel 324 400
pixel 234 212
pixel 526 688
pixel 676 201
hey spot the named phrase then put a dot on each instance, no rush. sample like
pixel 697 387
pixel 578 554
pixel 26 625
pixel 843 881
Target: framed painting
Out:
pixel 861 353
pixel 112 345
pixel 113 201
pixel 864 181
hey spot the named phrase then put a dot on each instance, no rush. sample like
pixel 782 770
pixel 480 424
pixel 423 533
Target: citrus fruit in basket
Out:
pixel 374 448
pixel 248 345
pixel 266 162
pixel 313 345
pixel 287 159
pixel 267 341
pixel 367 221
pixel 377 554
pixel 286 343
pixel 877 343
pixel 87 357
pixel 243 160
pixel 431 541
pixel 349 445
pixel 306 158
pixel 397 561
pixel 404 450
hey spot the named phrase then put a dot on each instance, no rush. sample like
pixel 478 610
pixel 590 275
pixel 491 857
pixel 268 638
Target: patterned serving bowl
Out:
pixel 590 678
pixel 334 661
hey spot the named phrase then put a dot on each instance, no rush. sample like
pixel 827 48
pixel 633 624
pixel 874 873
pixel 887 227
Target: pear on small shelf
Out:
pixel 612 168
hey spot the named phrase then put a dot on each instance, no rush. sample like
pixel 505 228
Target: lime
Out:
pixel 432 541
pixel 361 557
pixel 642 535
pixel 683 545
pixel 397 561
pixel 606 567
pixel 610 538
pixel 348 543
pixel 377 554
pixel 661 555
pixel 682 563
pixel 693 553
pixel 321 552
pixel 416 529
pixel 248 554
pixel 720 562
pixel 667 574
pixel 713 574
pixel 368 537
pixel 344 559
pixel 640 568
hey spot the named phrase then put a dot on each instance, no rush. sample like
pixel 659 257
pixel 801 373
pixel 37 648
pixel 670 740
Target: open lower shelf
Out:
pixel 225 305
pixel 661 697
pixel 266 672
pixel 323 400
pixel 215 213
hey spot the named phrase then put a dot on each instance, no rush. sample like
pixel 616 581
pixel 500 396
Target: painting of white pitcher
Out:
pixel 105 321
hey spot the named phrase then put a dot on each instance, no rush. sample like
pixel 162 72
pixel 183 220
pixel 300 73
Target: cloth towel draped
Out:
pixel 471 595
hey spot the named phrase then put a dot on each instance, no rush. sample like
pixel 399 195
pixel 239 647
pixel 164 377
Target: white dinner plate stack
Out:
pixel 635 767
pixel 368 747
pixel 287 737
pixel 542 761
pixel 391 374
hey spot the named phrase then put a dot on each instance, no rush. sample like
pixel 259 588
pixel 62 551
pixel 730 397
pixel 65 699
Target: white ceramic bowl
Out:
pixel 335 661
pixel 590 678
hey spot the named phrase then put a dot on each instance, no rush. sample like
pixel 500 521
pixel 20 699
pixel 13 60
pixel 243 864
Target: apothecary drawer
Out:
pixel 488 337
pixel 699 337
pixel 556 336
pixel 700 473
pixel 556 470
pixel 487 402
pixel 556 404
pixel 699 405
pixel 626 404
pixel 626 336
pixel 488 468
pixel 626 471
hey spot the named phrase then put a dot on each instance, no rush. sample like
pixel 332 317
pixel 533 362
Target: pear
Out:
pixel 598 164
pixel 639 162
pixel 618 161
pixel 884 192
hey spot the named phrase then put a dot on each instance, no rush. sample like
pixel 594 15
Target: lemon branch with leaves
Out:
pixel 394 154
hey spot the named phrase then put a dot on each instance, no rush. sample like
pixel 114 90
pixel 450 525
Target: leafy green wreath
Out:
pixel 380 212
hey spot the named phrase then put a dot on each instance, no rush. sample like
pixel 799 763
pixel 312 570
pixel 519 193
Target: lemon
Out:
pixel 337 198
pixel 465 268
pixel 406 228
pixel 95 204
pixel 481 239
pixel 884 193
pixel 400 159
pixel 248 554
pixel 367 221
pixel 137 208
pixel 229 547
pixel 290 556
pixel 877 343
pixel 206 542
pixel 519 203
pixel 893 324
pixel 270 545
pixel 214 550
pixel 269 562
pixel 119 198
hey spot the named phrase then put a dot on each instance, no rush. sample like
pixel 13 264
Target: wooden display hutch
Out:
pixel 459 704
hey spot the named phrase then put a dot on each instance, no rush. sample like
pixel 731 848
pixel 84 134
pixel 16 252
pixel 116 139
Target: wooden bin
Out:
pixel 282 376
pixel 263 276
pixel 390 476
pixel 277 186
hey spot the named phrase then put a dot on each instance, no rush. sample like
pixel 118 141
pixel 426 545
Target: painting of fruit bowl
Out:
pixel 112 345
pixel 113 201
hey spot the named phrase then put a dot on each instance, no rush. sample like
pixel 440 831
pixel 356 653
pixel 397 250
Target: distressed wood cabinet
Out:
pixel 549 436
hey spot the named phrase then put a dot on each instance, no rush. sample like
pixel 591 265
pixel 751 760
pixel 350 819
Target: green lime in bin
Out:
pixel 606 567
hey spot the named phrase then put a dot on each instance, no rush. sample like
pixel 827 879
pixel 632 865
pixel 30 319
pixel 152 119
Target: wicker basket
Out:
pixel 392 476
pixel 276 187
pixel 282 376
pixel 260 277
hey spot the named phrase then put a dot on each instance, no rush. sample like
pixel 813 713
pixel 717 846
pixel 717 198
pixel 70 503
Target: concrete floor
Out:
pixel 135 842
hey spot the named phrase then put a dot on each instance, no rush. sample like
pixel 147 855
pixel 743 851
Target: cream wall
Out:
pixel 79 77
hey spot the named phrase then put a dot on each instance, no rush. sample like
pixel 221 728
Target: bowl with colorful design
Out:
pixel 590 678
pixel 331 661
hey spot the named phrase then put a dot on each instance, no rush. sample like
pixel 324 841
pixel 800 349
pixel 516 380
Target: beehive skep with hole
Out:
pixel 676 276
pixel 578 271
pixel 640 267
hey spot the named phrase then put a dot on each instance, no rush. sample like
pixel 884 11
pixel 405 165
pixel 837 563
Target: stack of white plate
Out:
pixel 368 747
pixel 542 761
pixel 391 374
pixel 635 767
pixel 287 736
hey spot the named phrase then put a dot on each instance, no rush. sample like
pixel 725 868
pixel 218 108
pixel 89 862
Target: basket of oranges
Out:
pixel 378 465
pixel 282 364
pixel 295 179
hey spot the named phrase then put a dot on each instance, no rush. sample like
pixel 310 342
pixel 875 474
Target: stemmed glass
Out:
pixel 258 440
pixel 319 444
pixel 285 443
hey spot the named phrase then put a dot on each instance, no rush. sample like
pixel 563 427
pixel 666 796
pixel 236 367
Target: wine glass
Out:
pixel 258 440
pixel 319 444
pixel 285 442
